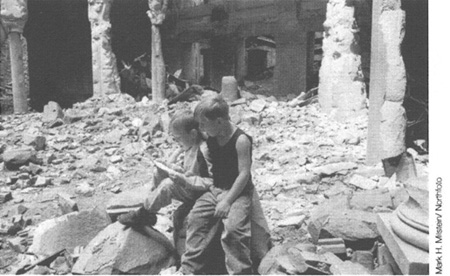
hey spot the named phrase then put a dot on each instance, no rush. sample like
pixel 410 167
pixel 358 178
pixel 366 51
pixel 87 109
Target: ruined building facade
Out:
pixel 208 39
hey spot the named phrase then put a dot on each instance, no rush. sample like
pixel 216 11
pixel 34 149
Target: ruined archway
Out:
pixel 59 52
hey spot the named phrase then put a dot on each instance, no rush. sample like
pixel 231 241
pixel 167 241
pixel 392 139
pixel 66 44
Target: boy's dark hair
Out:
pixel 184 119
pixel 212 108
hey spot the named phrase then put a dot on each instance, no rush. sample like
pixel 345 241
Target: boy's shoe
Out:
pixel 139 217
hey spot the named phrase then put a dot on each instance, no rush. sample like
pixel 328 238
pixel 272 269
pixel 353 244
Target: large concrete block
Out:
pixel 410 259
pixel 121 250
pixel 392 129
pixel 68 231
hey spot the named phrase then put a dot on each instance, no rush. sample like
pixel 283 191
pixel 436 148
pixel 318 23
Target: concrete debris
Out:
pixel 362 182
pixel 84 189
pixel 292 221
pixel 5 196
pixel 66 204
pixel 117 250
pixel 101 153
pixel 333 168
pixel 15 158
pixel 52 112
pixel 68 231
pixel 257 105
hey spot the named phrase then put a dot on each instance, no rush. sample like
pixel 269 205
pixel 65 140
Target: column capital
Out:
pixel 157 12
pixel 99 10
pixel 14 15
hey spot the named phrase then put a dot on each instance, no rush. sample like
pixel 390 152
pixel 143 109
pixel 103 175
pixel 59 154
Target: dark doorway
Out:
pixel 415 56
pixel 131 43
pixel 257 63
pixel 59 52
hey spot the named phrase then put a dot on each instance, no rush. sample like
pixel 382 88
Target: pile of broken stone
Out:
pixel 66 172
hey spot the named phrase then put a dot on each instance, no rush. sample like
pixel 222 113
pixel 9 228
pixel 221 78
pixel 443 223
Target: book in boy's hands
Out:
pixel 164 167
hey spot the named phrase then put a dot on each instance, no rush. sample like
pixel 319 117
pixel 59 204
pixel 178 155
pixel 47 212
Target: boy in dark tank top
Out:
pixel 230 198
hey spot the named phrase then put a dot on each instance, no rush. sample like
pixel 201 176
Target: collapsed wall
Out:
pixel 342 91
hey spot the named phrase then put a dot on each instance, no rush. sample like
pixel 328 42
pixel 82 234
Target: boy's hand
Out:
pixel 222 209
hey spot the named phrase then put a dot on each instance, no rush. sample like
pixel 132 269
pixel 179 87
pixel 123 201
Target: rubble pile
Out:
pixel 62 167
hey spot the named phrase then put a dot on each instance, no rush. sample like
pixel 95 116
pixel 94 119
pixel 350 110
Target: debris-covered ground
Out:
pixel 304 166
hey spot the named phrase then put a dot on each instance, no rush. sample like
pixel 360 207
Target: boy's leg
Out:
pixel 166 191
pixel 261 242
pixel 202 227
pixel 236 236
pixel 157 199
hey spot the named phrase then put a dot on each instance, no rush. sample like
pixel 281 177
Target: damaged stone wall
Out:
pixel 342 91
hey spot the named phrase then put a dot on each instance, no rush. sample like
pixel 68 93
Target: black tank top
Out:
pixel 224 161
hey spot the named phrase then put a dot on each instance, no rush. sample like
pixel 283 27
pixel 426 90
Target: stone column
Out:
pixel 157 14
pixel 342 90
pixel 14 15
pixel 105 76
pixel 191 64
pixel 387 117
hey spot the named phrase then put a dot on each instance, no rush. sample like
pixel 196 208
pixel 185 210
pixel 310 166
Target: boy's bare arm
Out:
pixel 243 148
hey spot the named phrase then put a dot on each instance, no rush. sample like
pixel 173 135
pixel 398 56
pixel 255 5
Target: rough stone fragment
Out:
pixel 392 129
pixel 362 182
pixel 42 181
pixel 292 221
pixel 84 189
pixel 34 139
pixel 134 149
pixel 52 111
pixel 17 244
pixel 370 199
pixel 117 250
pixel 66 204
pixel 113 137
pixel 333 168
pixel 352 225
pixel 116 159
pixel 258 105
pixel 5 196
pixel 15 158
pixel 73 115
pixel 349 268
pixel 68 231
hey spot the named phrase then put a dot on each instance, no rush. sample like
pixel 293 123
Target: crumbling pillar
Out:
pixel 104 68
pixel 191 62
pixel 14 15
pixel 342 91
pixel 157 14
pixel 387 117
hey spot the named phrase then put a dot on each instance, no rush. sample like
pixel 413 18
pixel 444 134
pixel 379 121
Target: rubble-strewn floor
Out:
pixel 104 149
